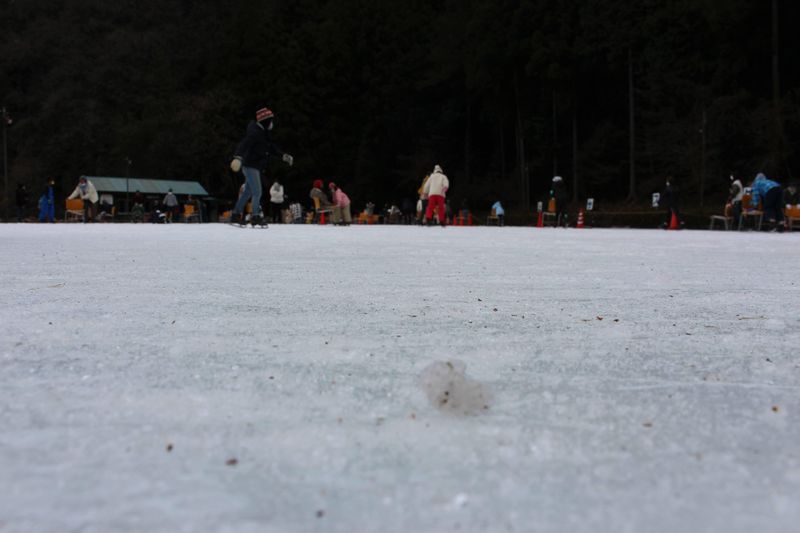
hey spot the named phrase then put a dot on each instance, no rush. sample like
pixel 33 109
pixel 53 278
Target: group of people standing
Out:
pixel 46 203
pixel 338 203
pixel 766 194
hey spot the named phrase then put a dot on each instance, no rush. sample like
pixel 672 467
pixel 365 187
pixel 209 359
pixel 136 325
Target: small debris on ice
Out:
pixel 232 461
pixel 460 500
pixel 450 390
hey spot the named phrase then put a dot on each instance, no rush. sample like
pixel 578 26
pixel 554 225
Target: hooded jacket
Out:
pixel 437 184
pixel 256 147
pixel 276 193
pixel 340 198
pixel 761 185
pixel 316 192
pixel 85 193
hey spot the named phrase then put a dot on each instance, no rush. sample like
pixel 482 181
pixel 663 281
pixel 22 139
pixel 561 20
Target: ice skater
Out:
pixel 670 199
pixel 252 157
pixel 559 194
pixel 436 189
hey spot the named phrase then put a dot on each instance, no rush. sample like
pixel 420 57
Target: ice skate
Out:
pixel 258 221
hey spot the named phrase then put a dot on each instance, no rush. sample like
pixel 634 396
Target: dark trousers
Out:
pixel 737 211
pixel 772 205
pixel 89 209
pixel 276 212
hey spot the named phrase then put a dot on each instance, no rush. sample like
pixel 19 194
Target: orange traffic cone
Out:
pixel 540 220
pixel 322 219
pixel 673 223
pixel 580 219
pixel 469 219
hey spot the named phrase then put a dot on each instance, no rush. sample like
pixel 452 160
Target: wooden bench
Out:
pixel 493 219
pixel 321 211
pixel 727 221
pixel 190 213
pixel 73 211
pixel 365 218
pixel 549 218
pixel 792 214
pixel 749 211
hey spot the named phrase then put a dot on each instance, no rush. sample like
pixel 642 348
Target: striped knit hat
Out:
pixel 263 114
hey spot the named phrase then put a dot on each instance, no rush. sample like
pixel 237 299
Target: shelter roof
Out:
pixel 145 186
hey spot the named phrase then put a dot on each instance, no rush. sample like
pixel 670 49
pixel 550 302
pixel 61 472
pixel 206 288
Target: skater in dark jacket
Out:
pixel 22 202
pixel 669 199
pixel 251 157
pixel 559 193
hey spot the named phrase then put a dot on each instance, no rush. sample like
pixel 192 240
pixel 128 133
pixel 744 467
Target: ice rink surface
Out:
pixel 210 378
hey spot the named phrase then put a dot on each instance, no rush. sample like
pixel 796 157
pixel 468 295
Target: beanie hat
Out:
pixel 437 168
pixel 557 178
pixel 263 114
pixel 317 184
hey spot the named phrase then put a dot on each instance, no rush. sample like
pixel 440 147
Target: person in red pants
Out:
pixel 436 189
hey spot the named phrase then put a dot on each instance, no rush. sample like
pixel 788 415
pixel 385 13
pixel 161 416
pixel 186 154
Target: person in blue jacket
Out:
pixel 770 194
pixel 251 157
pixel 47 205
pixel 499 212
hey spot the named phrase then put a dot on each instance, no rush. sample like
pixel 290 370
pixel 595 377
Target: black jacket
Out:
pixel 669 198
pixel 22 197
pixel 559 191
pixel 256 147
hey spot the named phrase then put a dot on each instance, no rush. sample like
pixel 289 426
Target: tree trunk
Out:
pixel 555 133
pixel 575 152
pixel 777 130
pixel 502 153
pixel 632 128
pixel 703 158
pixel 524 181
pixel 467 150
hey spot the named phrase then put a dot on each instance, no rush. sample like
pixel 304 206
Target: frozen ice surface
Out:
pixel 208 378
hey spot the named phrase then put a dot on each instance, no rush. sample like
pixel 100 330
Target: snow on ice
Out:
pixel 205 378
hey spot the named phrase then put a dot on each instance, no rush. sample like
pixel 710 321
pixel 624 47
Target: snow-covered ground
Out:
pixel 210 378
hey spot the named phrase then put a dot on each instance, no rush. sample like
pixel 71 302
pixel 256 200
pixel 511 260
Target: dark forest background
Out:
pixel 502 94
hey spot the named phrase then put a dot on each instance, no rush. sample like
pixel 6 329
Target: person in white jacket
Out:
pixel 276 200
pixel 436 189
pixel 87 192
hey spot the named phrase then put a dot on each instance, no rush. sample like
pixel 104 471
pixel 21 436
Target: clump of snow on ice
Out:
pixel 450 390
